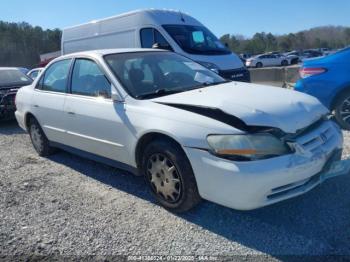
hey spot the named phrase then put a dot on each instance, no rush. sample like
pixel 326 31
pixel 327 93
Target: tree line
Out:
pixel 21 44
pixel 333 37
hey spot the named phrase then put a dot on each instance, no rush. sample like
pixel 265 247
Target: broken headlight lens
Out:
pixel 247 146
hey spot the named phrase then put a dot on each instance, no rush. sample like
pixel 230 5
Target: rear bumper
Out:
pixel 20 120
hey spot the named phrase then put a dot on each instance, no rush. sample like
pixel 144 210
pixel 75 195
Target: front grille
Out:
pixel 8 100
pixel 241 74
pixel 313 139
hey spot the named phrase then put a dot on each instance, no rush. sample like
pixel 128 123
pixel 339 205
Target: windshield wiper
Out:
pixel 159 92
pixel 206 84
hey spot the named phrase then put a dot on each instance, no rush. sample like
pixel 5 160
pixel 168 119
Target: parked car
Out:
pixel 311 53
pixel 34 72
pixel 191 133
pixel 165 29
pixel 11 79
pixel 294 57
pixel 267 60
pixel 23 70
pixel 328 79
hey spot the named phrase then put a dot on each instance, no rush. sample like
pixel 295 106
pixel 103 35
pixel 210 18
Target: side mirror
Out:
pixel 159 46
pixel 116 97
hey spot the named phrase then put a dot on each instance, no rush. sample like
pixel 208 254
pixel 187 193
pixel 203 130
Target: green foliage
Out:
pixel 327 37
pixel 21 44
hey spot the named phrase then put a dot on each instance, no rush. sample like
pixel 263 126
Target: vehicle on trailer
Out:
pixel 190 132
pixel 328 79
pixel 11 79
pixel 164 29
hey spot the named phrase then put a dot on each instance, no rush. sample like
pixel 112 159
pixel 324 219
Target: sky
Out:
pixel 244 17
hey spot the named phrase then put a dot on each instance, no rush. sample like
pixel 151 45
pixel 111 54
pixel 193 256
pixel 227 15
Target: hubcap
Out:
pixel 36 137
pixel 164 177
pixel 345 110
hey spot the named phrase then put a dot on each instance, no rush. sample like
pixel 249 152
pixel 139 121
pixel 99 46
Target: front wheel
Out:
pixel 169 174
pixel 342 110
pixel 259 65
pixel 284 63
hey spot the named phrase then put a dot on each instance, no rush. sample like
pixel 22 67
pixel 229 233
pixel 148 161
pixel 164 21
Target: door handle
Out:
pixel 71 113
pixel 36 106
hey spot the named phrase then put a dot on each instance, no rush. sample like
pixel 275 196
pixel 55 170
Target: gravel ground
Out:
pixel 75 207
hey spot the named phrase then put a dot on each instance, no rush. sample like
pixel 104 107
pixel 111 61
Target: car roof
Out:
pixel 9 68
pixel 103 52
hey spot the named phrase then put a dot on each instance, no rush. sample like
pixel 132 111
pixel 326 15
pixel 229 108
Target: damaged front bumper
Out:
pixel 253 184
pixel 7 104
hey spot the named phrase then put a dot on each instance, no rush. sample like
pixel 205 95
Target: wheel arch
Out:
pixel 339 94
pixel 149 137
pixel 27 118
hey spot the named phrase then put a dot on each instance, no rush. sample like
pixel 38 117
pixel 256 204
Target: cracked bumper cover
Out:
pixel 254 184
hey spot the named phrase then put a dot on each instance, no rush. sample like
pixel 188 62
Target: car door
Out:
pixel 49 98
pixel 274 60
pixel 95 122
pixel 264 60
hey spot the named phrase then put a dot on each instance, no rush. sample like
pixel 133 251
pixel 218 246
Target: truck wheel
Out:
pixel 39 140
pixel 169 174
pixel 342 110
pixel 259 65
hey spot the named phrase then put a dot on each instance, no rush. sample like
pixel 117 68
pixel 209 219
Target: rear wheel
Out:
pixel 284 63
pixel 259 65
pixel 342 110
pixel 169 174
pixel 39 140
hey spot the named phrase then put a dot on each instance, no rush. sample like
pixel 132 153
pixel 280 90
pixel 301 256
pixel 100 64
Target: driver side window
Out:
pixel 150 36
pixel 89 80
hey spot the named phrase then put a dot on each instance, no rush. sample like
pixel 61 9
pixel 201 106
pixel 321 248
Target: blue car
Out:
pixel 328 79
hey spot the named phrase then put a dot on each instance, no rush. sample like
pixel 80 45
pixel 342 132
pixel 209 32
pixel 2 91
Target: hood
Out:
pixel 224 62
pixel 255 105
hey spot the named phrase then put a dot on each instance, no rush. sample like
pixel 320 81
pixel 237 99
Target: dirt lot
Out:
pixel 75 207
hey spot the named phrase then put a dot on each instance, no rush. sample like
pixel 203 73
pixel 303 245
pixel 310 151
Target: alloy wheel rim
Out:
pixel 164 178
pixel 345 110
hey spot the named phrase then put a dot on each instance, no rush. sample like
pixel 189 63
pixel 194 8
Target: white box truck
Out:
pixel 166 29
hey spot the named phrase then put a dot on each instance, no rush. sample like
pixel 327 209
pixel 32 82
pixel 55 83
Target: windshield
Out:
pixel 13 77
pixel 152 74
pixel 196 40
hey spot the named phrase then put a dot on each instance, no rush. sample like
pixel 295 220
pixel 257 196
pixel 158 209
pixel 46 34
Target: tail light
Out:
pixel 311 71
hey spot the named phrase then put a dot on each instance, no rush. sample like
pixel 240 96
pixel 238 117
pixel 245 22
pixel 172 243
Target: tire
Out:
pixel 39 140
pixel 169 175
pixel 284 63
pixel 259 65
pixel 342 110
pixel 295 61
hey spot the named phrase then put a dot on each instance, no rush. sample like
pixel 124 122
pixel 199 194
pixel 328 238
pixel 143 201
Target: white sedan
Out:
pixel 192 134
pixel 266 60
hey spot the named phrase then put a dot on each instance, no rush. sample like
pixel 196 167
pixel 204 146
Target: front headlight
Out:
pixel 247 146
